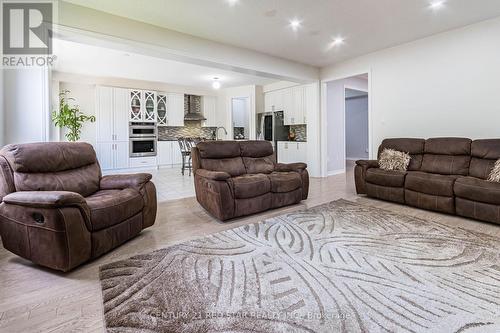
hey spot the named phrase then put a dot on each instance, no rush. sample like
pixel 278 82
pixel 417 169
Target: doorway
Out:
pixel 347 123
pixel 240 116
pixel 356 126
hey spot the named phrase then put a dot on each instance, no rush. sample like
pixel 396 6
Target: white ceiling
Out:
pixel 104 62
pixel 262 25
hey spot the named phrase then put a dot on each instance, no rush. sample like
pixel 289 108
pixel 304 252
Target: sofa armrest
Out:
pixel 360 174
pixel 44 199
pixel 120 182
pixel 282 167
pixel 214 175
pixel 367 163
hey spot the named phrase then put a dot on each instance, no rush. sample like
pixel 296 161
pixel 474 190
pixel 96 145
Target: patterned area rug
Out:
pixel 338 267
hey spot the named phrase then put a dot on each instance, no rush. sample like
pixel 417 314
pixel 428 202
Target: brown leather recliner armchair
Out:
pixel 237 178
pixel 57 210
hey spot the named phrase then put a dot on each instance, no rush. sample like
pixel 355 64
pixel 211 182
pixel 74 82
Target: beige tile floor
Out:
pixel 34 299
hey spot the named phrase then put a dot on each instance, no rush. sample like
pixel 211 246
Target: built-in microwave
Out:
pixel 140 130
pixel 140 147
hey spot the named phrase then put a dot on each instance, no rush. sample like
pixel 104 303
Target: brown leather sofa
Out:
pixel 447 175
pixel 237 178
pixel 58 211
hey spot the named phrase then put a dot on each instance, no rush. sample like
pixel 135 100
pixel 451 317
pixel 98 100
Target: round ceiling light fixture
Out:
pixel 216 83
pixel 295 24
pixel 436 5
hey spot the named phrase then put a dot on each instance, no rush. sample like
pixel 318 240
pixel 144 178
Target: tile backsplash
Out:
pixel 191 129
pixel 300 132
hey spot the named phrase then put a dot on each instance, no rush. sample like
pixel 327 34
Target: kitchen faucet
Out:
pixel 217 132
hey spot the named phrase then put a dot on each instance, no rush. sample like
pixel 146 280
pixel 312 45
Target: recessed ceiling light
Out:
pixel 338 41
pixel 216 83
pixel 437 4
pixel 232 2
pixel 271 13
pixel 295 24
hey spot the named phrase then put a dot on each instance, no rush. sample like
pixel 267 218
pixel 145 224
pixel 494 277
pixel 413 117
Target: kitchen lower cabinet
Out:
pixel 292 152
pixel 169 154
pixel 113 155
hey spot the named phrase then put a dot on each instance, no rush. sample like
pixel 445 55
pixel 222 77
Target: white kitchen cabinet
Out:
pixel 161 109
pixel 274 100
pixel 142 106
pixel 169 154
pixel 143 162
pixel 104 114
pixel 120 121
pixel 175 109
pixel 112 127
pixel 113 155
pixel 292 152
pixel 209 110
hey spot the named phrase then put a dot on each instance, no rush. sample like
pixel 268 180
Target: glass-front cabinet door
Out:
pixel 149 106
pixel 161 108
pixel 135 113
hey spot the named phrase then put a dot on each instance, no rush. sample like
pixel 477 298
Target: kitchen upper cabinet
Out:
pixel 274 101
pixel 111 114
pixel 142 106
pixel 104 114
pixel 120 120
pixel 161 108
pixel 175 109
pixel 292 152
pixel 209 110
pixel 149 113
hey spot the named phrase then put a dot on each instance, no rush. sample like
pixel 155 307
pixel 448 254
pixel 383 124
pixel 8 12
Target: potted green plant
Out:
pixel 70 117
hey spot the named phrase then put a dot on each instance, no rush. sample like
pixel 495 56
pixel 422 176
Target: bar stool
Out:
pixel 185 148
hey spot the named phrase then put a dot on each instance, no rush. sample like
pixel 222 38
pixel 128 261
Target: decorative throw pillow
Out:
pixel 495 173
pixel 391 159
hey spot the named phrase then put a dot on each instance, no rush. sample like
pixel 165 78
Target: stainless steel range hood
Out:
pixel 193 105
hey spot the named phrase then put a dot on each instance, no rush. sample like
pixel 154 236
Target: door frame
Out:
pixel 324 118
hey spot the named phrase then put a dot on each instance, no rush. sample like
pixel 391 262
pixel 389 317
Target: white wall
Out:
pixel 444 85
pixel 27 105
pixel 356 127
pixel 84 95
pixel 334 127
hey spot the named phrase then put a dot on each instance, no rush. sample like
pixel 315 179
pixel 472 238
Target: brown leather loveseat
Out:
pixel 58 211
pixel 237 178
pixel 447 175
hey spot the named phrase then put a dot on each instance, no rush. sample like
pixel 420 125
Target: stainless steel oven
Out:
pixel 142 147
pixel 141 130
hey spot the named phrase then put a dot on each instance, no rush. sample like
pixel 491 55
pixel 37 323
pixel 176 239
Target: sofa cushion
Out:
pixel 484 155
pixel 441 185
pixel 415 147
pixel 478 190
pixel 259 164
pixel 259 148
pixel 284 181
pixel 233 165
pixel 110 207
pixel 385 178
pixel 447 156
pixel 219 149
pixel 251 185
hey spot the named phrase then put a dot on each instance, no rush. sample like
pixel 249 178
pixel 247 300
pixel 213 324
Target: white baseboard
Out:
pixel 335 172
pixel 356 158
